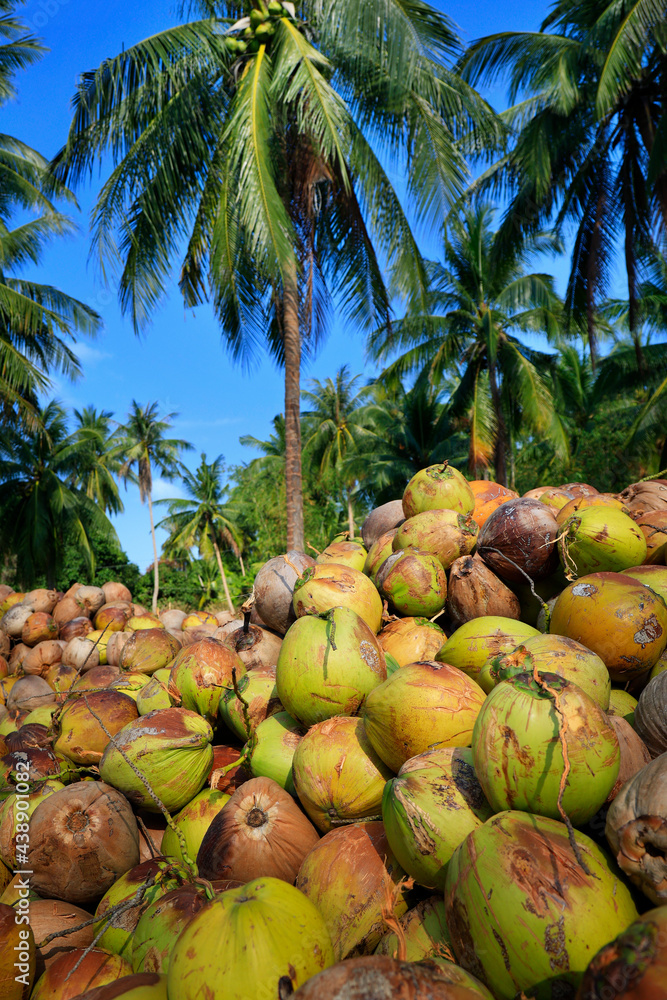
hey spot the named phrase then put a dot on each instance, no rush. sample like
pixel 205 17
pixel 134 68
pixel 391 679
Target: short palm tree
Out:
pixel 203 519
pixel 36 319
pixel 250 138
pixel 142 447
pixel 481 298
pixel 41 512
pixel 336 428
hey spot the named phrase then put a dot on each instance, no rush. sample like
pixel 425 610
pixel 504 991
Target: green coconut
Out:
pixel 144 884
pixel 380 550
pixel 651 576
pixel 140 986
pixel 130 683
pixel 337 773
pixel 345 552
pixel 424 933
pixel 623 704
pixel 148 650
pixel 42 716
pixel 155 694
pixel 258 689
pixel 192 821
pixel 438 487
pixel 516 879
pixel 420 705
pixel 518 753
pixel 276 740
pixel 255 941
pixel 428 813
pixel 349 875
pixel 553 654
pixel 85 723
pixel 155 935
pixel 600 539
pixel 329 585
pixel 171 748
pixel 202 672
pixel 478 641
pixel 327 665
pixel 409 640
pixel 414 582
pixel 446 534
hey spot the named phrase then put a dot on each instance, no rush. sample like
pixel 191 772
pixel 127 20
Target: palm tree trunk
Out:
pixel 293 483
pixel 222 576
pixel 241 564
pixel 350 513
pixel 156 571
pixel 500 459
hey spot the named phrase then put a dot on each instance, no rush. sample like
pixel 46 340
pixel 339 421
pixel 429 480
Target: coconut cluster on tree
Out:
pixel 433 766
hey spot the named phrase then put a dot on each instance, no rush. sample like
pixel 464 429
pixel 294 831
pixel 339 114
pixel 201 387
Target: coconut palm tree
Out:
pixel 203 519
pixel 36 319
pixel 142 447
pixel 251 138
pixel 41 512
pixel 589 139
pixel 97 458
pixel 410 429
pixel 481 296
pixel 336 428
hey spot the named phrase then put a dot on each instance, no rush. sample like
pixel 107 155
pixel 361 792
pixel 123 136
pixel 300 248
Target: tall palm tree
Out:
pixel 41 512
pixel 203 518
pixel 480 297
pixel 336 428
pixel 251 136
pixel 142 447
pixel 97 458
pixel 590 133
pixel 36 319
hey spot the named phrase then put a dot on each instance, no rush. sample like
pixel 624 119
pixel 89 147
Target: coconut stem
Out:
pixel 149 840
pixel 389 915
pixel 656 475
pixel 332 632
pixel 562 732
pixel 531 584
pixel 189 863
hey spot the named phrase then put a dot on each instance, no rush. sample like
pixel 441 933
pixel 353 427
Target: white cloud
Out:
pixel 164 490
pixel 89 355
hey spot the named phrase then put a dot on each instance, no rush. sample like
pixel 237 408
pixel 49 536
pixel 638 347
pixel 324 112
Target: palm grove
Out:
pixel 249 150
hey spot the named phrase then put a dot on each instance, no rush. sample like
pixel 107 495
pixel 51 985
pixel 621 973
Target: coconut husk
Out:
pixel 475 590
pixel 634 753
pixel 651 715
pixel 643 497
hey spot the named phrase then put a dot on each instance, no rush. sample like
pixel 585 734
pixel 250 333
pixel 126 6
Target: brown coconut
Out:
pixel 274 586
pixel 256 646
pixel 475 591
pixel 523 531
pixel 4 643
pixel 12 621
pixel 380 520
pixel 348 875
pixel 82 839
pixel 115 591
pixel 93 968
pixel 224 780
pixel 642 497
pixel 654 528
pixel 60 677
pixel 651 715
pixel 29 736
pixel 115 646
pixel 47 917
pixel 259 832
pixel 66 609
pixel 41 600
pixel 636 829
pixel 80 626
pixel 39 627
pixel 113 617
pixel 173 618
pixel 91 599
pixel 43 656
pixel 30 693
pixel 16 657
pixel 379 976
pixel 191 636
pixel 81 653
pixel 634 753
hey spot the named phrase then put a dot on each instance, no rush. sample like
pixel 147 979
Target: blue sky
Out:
pixel 180 362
